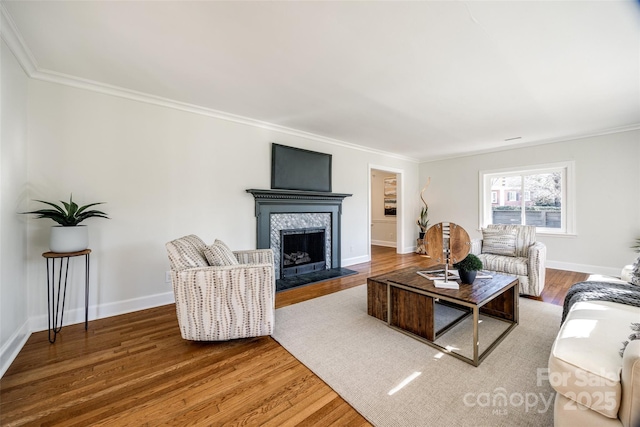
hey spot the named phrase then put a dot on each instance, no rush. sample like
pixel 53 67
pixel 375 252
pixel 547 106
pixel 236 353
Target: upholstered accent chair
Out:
pixel 513 249
pixel 221 294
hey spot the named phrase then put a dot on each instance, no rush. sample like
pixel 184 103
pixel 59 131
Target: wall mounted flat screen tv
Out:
pixel 297 169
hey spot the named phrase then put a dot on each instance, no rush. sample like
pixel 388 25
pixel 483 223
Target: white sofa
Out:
pixel 596 386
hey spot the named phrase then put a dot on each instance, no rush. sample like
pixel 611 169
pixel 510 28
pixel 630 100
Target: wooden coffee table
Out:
pixel 408 303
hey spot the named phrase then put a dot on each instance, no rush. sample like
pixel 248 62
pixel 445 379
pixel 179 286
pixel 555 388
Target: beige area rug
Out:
pixel 395 380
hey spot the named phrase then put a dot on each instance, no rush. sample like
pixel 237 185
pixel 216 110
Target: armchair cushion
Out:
pixel 509 265
pixel 220 242
pixel 186 252
pixel 498 242
pixel 525 236
pixel 219 254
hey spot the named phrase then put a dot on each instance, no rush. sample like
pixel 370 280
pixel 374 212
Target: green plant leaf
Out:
pixel 73 208
pixel 83 208
pixel 70 215
pixel 58 208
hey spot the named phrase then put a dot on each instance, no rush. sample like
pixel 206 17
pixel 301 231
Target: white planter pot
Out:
pixel 69 239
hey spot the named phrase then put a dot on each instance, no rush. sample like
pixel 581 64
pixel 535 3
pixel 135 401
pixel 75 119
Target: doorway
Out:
pixel 385 207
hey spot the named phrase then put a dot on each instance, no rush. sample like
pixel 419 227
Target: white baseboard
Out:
pixel 12 347
pixel 583 268
pixel 355 260
pixel 73 316
pixel 408 250
pixel 384 243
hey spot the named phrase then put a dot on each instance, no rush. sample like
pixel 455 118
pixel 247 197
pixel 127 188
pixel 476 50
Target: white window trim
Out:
pixel 568 195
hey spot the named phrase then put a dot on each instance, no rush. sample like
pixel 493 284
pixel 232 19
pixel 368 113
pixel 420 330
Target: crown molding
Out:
pixel 566 138
pixel 94 86
pixel 14 40
pixel 12 37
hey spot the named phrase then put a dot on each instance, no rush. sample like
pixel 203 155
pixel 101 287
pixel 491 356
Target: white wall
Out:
pixel 383 228
pixel 164 173
pixel 607 200
pixel 14 328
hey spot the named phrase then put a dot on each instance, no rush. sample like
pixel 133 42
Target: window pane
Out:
pixel 545 205
pixel 506 209
pixel 542 196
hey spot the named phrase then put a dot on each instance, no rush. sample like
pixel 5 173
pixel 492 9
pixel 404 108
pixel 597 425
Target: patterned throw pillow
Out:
pixel 219 254
pixel 221 243
pixel 187 252
pixel 635 273
pixel 635 327
pixel 498 242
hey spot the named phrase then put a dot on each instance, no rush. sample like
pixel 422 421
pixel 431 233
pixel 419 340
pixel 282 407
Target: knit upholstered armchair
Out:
pixel 233 298
pixel 513 249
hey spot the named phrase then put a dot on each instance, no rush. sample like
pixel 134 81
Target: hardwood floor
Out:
pixel 135 369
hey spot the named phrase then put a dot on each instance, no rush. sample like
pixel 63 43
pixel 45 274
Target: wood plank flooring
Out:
pixel 136 370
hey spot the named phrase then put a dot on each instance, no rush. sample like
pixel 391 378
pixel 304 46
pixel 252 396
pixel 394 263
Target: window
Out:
pixel 538 195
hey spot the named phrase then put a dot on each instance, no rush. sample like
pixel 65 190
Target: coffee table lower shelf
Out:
pixel 478 357
pixel 412 311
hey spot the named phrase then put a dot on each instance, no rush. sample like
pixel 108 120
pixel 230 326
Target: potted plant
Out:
pixel 423 220
pixel 69 235
pixel 468 268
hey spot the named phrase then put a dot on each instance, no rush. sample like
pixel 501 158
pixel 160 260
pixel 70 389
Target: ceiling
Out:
pixel 423 80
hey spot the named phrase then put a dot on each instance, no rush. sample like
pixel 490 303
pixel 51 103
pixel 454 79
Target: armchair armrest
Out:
pixel 255 256
pixel 476 246
pixel 537 267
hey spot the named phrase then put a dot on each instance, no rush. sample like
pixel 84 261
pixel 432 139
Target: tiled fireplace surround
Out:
pixel 291 209
pixel 295 221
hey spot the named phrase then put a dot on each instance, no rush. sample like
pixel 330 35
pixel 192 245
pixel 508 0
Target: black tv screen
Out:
pixel 298 169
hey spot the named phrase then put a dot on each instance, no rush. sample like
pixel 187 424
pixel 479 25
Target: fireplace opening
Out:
pixel 302 251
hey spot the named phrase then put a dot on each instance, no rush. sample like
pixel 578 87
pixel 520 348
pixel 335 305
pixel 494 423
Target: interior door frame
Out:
pixel 400 209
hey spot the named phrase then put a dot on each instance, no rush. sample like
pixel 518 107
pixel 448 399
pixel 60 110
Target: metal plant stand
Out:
pixel 55 304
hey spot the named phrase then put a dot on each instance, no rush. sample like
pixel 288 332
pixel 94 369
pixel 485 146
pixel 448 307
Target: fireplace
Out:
pixel 291 214
pixel 302 250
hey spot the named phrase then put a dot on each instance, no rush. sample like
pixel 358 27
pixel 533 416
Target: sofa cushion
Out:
pixel 219 254
pixel 186 252
pixel 498 242
pixel 584 364
pixel 505 264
